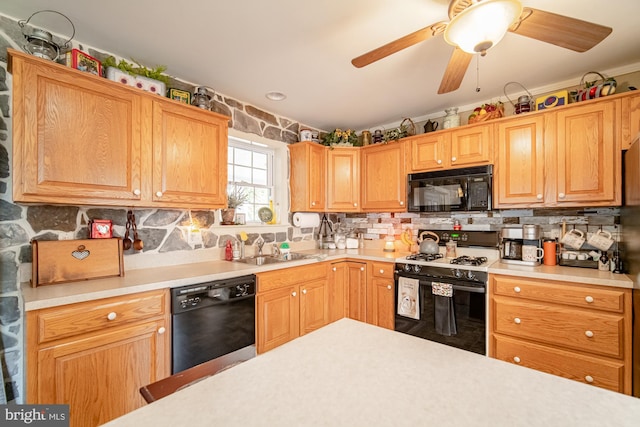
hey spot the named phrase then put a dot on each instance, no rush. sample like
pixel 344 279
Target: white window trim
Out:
pixel 280 174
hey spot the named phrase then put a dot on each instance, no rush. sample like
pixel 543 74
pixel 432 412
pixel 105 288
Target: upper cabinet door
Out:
pixel 343 180
pixel 74 141
pixel 189 156
pixel 307 176
pixel 428 152
pixel 519 171
pixel 630 119
pixel 384 181
pixel 588 155
pixel 471 146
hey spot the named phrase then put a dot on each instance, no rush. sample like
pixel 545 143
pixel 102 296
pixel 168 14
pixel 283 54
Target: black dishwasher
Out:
pixel 211 319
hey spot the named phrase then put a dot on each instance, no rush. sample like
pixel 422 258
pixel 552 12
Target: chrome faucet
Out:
pixel 260 243
pixel 275 250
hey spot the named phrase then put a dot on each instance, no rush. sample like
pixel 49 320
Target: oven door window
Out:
pixel 437 195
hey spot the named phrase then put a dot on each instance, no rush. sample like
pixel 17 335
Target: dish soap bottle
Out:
pixel 273 213
pixel 228 251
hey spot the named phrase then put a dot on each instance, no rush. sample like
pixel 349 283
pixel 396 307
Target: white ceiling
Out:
pixel 245 48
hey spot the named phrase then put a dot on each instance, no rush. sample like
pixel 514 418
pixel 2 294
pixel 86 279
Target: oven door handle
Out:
pixel 469 289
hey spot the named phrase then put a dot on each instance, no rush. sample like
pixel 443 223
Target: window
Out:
pixel 250 168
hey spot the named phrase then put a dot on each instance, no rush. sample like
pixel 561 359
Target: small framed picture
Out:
pixel 180 95
pixel 241 219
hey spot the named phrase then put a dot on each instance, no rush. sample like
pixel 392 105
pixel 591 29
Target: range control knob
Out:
pixel 457 273
pixel 407 267
pixel 471 275
pixel 417 268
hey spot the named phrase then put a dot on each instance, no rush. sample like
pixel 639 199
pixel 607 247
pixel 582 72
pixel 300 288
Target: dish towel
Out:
pixel 444 311
pixel 408 303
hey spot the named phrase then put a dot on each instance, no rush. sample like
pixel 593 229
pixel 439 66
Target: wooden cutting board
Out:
pixel 60 261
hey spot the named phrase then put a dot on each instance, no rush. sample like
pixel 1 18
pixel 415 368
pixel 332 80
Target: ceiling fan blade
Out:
pixel 456 69
pixel 397 45
pixel 560 30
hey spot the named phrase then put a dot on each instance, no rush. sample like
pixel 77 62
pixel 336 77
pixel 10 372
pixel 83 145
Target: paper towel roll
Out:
pixel 306 219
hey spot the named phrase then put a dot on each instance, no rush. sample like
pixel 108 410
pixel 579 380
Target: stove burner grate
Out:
pixel 424 257
pixel 469 260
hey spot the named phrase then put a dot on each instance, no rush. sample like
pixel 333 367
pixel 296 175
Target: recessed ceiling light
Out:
pixel 275 96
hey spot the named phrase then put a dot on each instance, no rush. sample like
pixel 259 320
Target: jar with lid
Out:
pixel 451 247
pixel 451 119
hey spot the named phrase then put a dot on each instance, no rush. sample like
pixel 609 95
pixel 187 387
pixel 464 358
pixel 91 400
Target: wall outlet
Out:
pixel 195 238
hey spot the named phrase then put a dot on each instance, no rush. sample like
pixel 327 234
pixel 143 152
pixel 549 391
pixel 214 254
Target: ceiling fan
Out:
pixel 475 26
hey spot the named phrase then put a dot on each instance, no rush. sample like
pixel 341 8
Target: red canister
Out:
pixel 549 247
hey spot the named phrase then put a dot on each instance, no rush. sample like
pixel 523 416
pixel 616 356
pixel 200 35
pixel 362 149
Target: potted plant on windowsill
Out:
pixel 236 196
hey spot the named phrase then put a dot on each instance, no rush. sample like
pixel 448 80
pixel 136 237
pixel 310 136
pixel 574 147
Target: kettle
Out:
pixel 430 126
pixel 427 244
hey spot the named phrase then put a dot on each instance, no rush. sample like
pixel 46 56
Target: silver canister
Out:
pixel 531 231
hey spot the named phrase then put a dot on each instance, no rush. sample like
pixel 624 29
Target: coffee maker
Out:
pixel 521 245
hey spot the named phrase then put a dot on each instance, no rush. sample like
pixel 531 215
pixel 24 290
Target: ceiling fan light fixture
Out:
pixel 482 25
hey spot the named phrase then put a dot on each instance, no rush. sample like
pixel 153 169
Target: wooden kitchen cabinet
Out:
pixel 81 139
pixel 94 356
pixel 357 290
pixel 428 152
pixel 630 123
pixel 343 179
pixel 588 155
pixel 581 332
pixel 382 290
pixel 472 145
pixel 519 174
pixel 290 303
pixel 308 176
pixel 338 283
pixel 383 177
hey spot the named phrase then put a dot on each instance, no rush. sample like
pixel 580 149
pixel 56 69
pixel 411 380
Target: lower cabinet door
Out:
pixel 314 310
pixel 278 317
pixel 99 376
pixel 596 371
pixel 382 303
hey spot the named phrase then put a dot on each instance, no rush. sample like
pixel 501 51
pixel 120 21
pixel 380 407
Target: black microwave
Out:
pixel 456 190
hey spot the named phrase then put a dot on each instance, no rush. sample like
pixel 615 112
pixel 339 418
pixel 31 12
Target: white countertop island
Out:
pixel 354 374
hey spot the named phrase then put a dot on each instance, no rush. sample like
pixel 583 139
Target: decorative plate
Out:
pixel 265 214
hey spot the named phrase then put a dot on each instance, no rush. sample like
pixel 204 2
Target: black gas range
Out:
pixel 444 299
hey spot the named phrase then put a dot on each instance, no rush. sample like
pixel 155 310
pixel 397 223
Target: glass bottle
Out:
pixel 603 262
pixel 228 251
pixel 452 119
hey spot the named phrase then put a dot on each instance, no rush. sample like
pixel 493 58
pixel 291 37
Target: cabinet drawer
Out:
pixel 382 269
pixel 608 299
pixel 67 321
pixel 596 371
pixel 584 330
pixel 290 276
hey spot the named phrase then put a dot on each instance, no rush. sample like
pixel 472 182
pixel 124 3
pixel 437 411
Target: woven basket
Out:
pixel 495 114
pixel 409 125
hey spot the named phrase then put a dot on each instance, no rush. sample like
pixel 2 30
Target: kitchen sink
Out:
pixel 271 259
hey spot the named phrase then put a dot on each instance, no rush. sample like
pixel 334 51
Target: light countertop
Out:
pixel 355 374
pixel 140 280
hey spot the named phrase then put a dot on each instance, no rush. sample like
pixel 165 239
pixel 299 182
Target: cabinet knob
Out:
pixel 361 268
pixel 313 203
pixel 381 271
pixel 355 205
pixel 561 196
pixel 516 289
pixel 137 192
pixel 588 378
pixel 517 320
pixel 539 197
pixel 401 203
pixel 439 162
pixel 158 193
pixel 453 159
pixel 516 359
pixel 334 269
pixel 304 291
pixel 589 334
pixel 162 330
pixel 588 299
pixel 389 287
pixel 293 294
pixel 112 315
